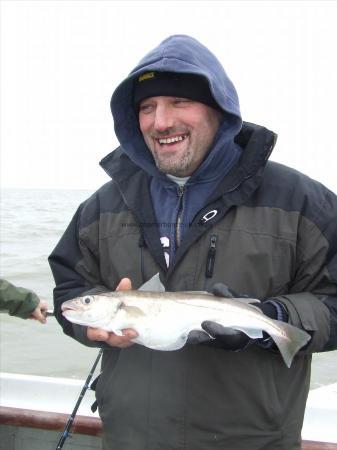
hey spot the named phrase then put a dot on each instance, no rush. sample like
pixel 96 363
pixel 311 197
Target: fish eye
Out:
pixel 87 299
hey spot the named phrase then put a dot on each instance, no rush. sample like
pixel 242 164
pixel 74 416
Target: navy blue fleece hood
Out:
pixel 175 209
pixel 178 53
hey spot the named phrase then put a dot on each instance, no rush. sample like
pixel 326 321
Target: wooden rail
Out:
pixel 313 445
pixel 87 425
pixel 49 421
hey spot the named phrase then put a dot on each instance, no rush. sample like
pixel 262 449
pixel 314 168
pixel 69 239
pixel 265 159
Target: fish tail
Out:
pixel 290 341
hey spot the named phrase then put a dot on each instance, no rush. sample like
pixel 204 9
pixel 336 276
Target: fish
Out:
pixel 164 320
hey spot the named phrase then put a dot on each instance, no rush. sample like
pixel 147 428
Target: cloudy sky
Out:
pixel 61 60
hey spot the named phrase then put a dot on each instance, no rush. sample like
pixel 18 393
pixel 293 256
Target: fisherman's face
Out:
pixel 179 132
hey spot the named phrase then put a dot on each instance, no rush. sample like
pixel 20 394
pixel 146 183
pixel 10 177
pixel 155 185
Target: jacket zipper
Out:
pixel 141 245
pixel 211 256
pixel 181 190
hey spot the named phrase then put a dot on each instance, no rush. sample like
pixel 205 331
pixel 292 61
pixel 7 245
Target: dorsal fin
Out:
pixel 153 285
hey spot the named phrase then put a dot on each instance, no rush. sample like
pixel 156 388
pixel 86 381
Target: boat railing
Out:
pixel 26 402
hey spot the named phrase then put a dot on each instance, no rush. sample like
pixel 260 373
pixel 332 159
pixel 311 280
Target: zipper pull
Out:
pixel 181 190
pixel 211 256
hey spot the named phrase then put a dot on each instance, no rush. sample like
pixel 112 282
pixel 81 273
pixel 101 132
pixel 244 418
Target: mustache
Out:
pixel 168 132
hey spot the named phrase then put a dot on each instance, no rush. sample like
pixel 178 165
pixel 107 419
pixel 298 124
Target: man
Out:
pixel 21 302
pixel 194 198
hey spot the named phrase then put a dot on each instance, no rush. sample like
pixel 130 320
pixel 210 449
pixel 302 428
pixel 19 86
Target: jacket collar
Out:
pixel 256 141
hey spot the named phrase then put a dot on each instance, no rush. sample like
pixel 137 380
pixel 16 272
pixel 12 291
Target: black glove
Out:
pixel 216 335
pixel 229 338
pixel 226 337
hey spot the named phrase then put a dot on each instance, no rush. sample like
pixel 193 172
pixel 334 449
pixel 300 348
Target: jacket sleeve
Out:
pixel 18 301
pixel 75 268
pixel 312 298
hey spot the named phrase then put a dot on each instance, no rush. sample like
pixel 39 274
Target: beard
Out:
pixel 175 165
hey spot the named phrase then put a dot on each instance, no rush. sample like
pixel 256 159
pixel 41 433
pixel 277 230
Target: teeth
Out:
pixel 170 140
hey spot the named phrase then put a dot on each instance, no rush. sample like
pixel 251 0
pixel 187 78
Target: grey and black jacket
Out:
pixel 266 231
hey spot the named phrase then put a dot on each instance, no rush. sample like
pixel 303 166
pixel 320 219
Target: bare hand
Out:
pixel 38 313
pixel 97 334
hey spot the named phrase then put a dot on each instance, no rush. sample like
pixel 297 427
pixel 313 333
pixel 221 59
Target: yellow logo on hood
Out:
pixel 146 76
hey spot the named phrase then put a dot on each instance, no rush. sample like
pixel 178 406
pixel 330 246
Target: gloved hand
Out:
pixel 216 335
pixel 229 338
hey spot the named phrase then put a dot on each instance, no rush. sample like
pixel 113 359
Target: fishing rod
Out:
pixel 70 421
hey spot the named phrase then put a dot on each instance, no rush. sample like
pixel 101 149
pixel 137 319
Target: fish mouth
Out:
pixel 69 313
pixel 67 308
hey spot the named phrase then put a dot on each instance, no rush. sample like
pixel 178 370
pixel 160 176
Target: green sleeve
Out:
pixel 19 302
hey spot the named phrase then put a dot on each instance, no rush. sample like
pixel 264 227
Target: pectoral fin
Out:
pixel 133 311
pixel 117 332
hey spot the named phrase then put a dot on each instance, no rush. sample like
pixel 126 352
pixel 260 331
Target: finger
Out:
pixel 97 334
pixel 221 290
pixel 122 341
pixel 38 315
pixel 216 330
pixel 124 285
pixel 119 341
pixel 42 318
pixel 198 337
pixel 43 304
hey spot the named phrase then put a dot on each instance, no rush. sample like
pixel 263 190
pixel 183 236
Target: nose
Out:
pixel 163 119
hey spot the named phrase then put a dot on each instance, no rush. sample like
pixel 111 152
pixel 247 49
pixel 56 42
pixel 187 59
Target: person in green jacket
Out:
pixel 21 302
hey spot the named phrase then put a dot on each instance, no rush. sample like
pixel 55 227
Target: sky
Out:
pixel 61 61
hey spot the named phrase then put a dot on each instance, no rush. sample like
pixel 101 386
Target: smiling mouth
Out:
pixel 171 140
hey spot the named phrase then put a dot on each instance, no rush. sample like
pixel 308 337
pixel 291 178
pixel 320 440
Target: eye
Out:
pixel 181 101
pixel 87 299
pixel 146 108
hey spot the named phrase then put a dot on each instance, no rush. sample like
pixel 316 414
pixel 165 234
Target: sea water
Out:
pixel 32 222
